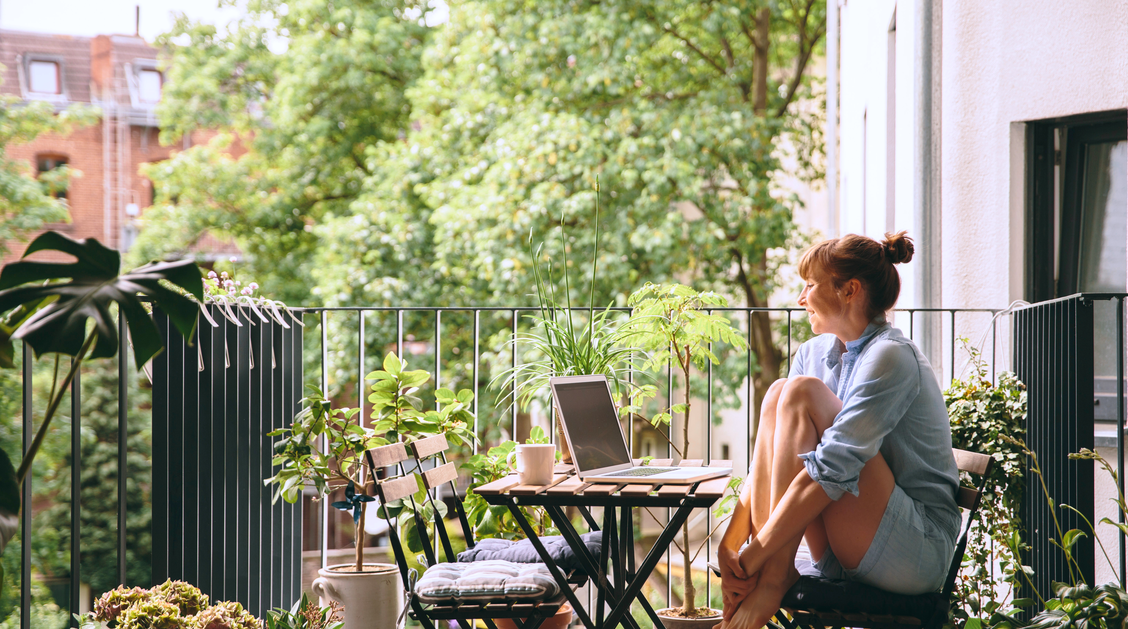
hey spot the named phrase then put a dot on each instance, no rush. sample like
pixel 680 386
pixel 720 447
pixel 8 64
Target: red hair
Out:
pixel 864 259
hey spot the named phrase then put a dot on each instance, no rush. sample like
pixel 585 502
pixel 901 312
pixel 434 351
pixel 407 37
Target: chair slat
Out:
pixel 965 497
pixel 499 486
pixel 429 446
pixel 972 462
pixel 691 463
pixel 397 488
pixel 720 463
pixel 660 462
pixel 437 476
pixel 385 456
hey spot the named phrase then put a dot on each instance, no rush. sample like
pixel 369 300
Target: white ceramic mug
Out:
pixel 534 462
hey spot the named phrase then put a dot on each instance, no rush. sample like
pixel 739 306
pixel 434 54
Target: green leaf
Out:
pixel 392 364
pixel 94 286
pixel 9 504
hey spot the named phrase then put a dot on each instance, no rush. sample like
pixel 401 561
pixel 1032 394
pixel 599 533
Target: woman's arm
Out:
pixel 740 524
pixel 803 501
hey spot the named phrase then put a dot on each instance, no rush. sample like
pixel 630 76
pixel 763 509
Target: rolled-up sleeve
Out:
pixel 885 382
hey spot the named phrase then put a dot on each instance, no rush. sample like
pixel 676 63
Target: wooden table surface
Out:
pixel 565 484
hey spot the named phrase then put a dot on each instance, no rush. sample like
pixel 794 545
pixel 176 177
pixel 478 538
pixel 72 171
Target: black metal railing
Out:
pixel 462 347
pixel 1057 355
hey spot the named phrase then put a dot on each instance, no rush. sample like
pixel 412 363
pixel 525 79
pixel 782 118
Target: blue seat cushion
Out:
pixel 522 551
pixel 486 581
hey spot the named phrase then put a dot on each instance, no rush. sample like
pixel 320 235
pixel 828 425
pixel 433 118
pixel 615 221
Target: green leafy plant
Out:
pixel 673 323
pixel 48 305
pixel 498 521
pixel 562 345
pixel 306 615
pixel 170 605
pixel 980 412
pixel 304 463
pixel 397 415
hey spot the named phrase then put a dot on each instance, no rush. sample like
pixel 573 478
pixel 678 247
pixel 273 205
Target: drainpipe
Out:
pixel 832 118
pixel 926 170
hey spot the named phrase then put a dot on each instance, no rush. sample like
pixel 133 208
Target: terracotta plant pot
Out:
pixel 677 622
pixel 559 621
pixel 372 599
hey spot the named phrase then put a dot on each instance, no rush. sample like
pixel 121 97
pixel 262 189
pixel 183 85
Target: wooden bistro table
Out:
pixel 623 584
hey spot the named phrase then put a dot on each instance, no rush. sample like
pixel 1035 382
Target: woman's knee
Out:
pixel 802 389
pixel 812 397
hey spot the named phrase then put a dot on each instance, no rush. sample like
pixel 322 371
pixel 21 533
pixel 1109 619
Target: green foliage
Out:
pixel 981 412
pixel 28 203
pixel 563 347
pixel 300 455
pixel 171 605
pixel 305 615
pixel 98 487
pixel 1103 607
pixel 497 521
pixel 397 412
pixel 673 322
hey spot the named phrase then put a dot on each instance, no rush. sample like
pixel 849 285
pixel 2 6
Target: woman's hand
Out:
pixel 735 583
pixel 752 559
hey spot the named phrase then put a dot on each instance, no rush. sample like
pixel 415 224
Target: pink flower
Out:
pixel 246 291
pixel 212 275
pixel 253 285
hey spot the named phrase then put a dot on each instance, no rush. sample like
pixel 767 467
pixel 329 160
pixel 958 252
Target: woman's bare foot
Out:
pixel 763 602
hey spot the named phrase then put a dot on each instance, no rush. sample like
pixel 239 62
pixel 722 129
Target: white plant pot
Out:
pixel 372 599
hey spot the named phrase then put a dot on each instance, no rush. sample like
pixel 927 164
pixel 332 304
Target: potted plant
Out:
pixel 48 305
pixel 671 321
pixel 306 615
pixel 170 605
pixel 563 346
pixel 368 591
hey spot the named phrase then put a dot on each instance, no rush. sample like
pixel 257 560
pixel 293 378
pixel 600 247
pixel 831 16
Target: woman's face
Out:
pixel 824 303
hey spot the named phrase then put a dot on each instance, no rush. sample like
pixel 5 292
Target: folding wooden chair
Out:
pixel 525 614
pixel 818 603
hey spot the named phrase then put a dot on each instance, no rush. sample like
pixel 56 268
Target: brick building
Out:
pixel 118 74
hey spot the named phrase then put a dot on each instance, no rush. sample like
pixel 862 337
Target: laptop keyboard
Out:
pixel 642 471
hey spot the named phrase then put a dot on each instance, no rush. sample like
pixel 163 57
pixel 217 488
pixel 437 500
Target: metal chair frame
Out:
pixel 404 485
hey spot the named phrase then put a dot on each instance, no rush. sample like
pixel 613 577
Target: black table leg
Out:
pixel 555 571
pixel 619 612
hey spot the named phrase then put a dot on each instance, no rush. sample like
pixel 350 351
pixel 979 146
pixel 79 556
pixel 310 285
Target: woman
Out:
pixel 854 450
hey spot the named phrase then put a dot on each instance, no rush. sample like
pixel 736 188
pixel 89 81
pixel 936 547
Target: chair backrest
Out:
pixel 443 472
pixel 394 487
pixel 967 498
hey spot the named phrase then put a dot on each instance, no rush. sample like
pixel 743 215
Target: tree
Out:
pixel 27 203
pixel 296 126
pixel 485 133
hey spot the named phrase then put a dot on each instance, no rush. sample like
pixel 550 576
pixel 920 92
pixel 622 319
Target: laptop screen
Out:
pixel 593 426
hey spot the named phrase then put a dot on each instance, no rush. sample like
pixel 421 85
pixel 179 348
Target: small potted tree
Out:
pixel 672 322
pixel 370 592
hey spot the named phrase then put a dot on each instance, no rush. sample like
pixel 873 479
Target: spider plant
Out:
pixel 563 345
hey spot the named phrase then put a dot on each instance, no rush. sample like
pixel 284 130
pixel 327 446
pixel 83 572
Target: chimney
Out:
pixel 137 20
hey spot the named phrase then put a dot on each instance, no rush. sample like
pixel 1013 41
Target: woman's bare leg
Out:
pixel 806 408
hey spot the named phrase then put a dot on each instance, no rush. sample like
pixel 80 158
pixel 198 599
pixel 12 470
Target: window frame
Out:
pixel 1073 133
pixel 23 70
pixel 133 74
pixel 59 159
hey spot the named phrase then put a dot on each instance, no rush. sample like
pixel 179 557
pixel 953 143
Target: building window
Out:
pixel 725 452
pixel 1077 229
pixel 45 165
pixel 149 86
pixel 44 77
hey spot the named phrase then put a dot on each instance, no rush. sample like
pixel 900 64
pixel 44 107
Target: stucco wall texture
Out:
pixel 1005 63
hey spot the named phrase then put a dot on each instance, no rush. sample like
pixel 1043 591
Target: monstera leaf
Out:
pixel 48 305
pixel 51 314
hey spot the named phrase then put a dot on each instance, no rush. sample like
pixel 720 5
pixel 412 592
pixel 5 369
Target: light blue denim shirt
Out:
pixel 891 403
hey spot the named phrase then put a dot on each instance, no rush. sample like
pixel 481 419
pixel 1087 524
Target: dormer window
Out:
pixel 149 86
pixel 44 77
pixel 145 82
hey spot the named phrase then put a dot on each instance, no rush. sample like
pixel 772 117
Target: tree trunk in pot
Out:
pixel 372 599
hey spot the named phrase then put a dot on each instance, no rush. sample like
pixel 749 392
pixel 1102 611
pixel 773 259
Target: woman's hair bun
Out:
pixel 898 247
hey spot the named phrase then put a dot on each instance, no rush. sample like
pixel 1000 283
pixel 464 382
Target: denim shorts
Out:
pixel 910 554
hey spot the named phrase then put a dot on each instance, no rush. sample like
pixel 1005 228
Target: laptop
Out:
pixel 595 438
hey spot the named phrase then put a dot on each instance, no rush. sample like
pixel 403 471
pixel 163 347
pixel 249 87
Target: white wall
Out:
pixel 1005 63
